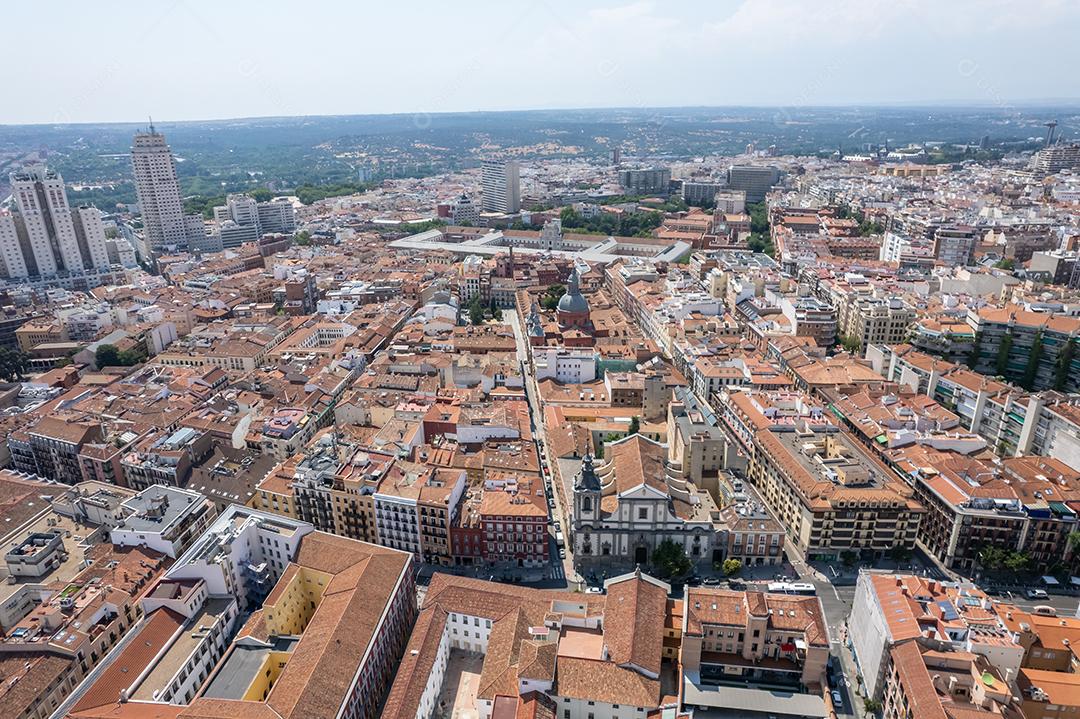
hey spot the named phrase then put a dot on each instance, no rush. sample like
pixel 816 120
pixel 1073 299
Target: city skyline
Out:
pixel 638 54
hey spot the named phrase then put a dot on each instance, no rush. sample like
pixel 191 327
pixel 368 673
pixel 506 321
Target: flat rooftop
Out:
pixel 854 462
pixel 174 657
pixel 75 546
pixel 716 702
pixel 581 643
pixel 236 672
pixel 604 249
pixel 157 508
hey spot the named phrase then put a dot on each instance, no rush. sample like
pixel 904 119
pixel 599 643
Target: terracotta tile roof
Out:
pixel 328 655
pixel 601 681
pixel 916 681
pixel 120 674
pixel 631 630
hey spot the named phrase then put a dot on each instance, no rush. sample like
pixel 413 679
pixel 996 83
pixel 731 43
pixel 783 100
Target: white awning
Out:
pixel 1050 581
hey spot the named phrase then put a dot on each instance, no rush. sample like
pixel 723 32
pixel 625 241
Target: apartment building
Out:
pixel 328 622
pixel 1034 350
pixel 873 320
pixel 514 520
pixel 924 682
pixel 645 180
pixel 500 186
pixel 69 632
pixel 165 519
pixel 831 495
pixel 50 448
pixel 1012 422
pixel 48 242
pixel 740 648
pixel 810 317
pixel 893 610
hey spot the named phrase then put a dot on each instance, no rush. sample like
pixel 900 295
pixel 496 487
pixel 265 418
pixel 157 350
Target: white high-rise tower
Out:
pixel 500 186
pixel 48 240
pixel 159 193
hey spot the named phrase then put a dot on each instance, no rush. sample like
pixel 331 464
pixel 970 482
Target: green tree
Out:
pixel 107 356
pixel 759 217
pixel 851 344
pixel 1005 264
pixel 1073 541
pixel 1063 365
pixel 1001 363
pixel 13 364
pixel 550 299
pixel 635 425
pixel 1028 380
pixel 732 567
pixel 670 559
pixel 973 356
pixel 128 358
pixel 110 356
pixel 848 557
pixel 991 557
pixel 261 194
pixel 1015 561
pixel 303 238
pixel 476 311
pixel 872 706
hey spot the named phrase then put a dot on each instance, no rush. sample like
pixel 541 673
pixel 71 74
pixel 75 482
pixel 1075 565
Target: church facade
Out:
pixel 633 500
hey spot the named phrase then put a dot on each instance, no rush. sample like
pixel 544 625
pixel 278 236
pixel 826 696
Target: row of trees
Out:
pixel 669 560
pixel 760 237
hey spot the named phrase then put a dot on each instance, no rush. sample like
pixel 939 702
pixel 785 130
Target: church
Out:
pixel 633 500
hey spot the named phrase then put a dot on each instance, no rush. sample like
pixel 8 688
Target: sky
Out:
pixel 122 60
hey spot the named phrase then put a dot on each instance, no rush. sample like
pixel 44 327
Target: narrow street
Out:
pixel 561 571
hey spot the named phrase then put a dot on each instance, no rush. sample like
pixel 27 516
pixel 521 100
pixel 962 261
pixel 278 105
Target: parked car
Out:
pixel 837 699
pixel 562 552
pixel 594 590
pixel 1036 594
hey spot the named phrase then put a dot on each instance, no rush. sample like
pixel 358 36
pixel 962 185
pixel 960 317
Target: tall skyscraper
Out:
pixel 47 240
pixel 501 191
pixel 164 224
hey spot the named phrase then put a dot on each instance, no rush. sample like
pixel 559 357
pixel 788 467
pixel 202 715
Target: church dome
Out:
pixel 573 302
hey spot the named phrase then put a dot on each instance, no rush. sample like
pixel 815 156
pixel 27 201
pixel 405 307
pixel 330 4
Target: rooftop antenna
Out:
pixel 151 124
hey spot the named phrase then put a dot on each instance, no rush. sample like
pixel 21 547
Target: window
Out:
pixel 643 513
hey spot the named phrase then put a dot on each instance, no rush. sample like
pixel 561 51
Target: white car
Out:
pixel 594 590
pixel 1036 594
pixel 837 700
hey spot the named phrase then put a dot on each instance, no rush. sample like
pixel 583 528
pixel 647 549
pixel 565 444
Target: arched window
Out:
pixel 586 504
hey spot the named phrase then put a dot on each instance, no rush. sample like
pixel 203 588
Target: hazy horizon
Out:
pixel 953 105
pixel 193 60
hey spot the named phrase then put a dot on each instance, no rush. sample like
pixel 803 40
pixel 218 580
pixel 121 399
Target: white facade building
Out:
pixel 564 365
pixel 501 186
pixel 46 240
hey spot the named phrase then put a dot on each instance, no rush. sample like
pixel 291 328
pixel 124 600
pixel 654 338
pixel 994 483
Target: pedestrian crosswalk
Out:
pixel 556 571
